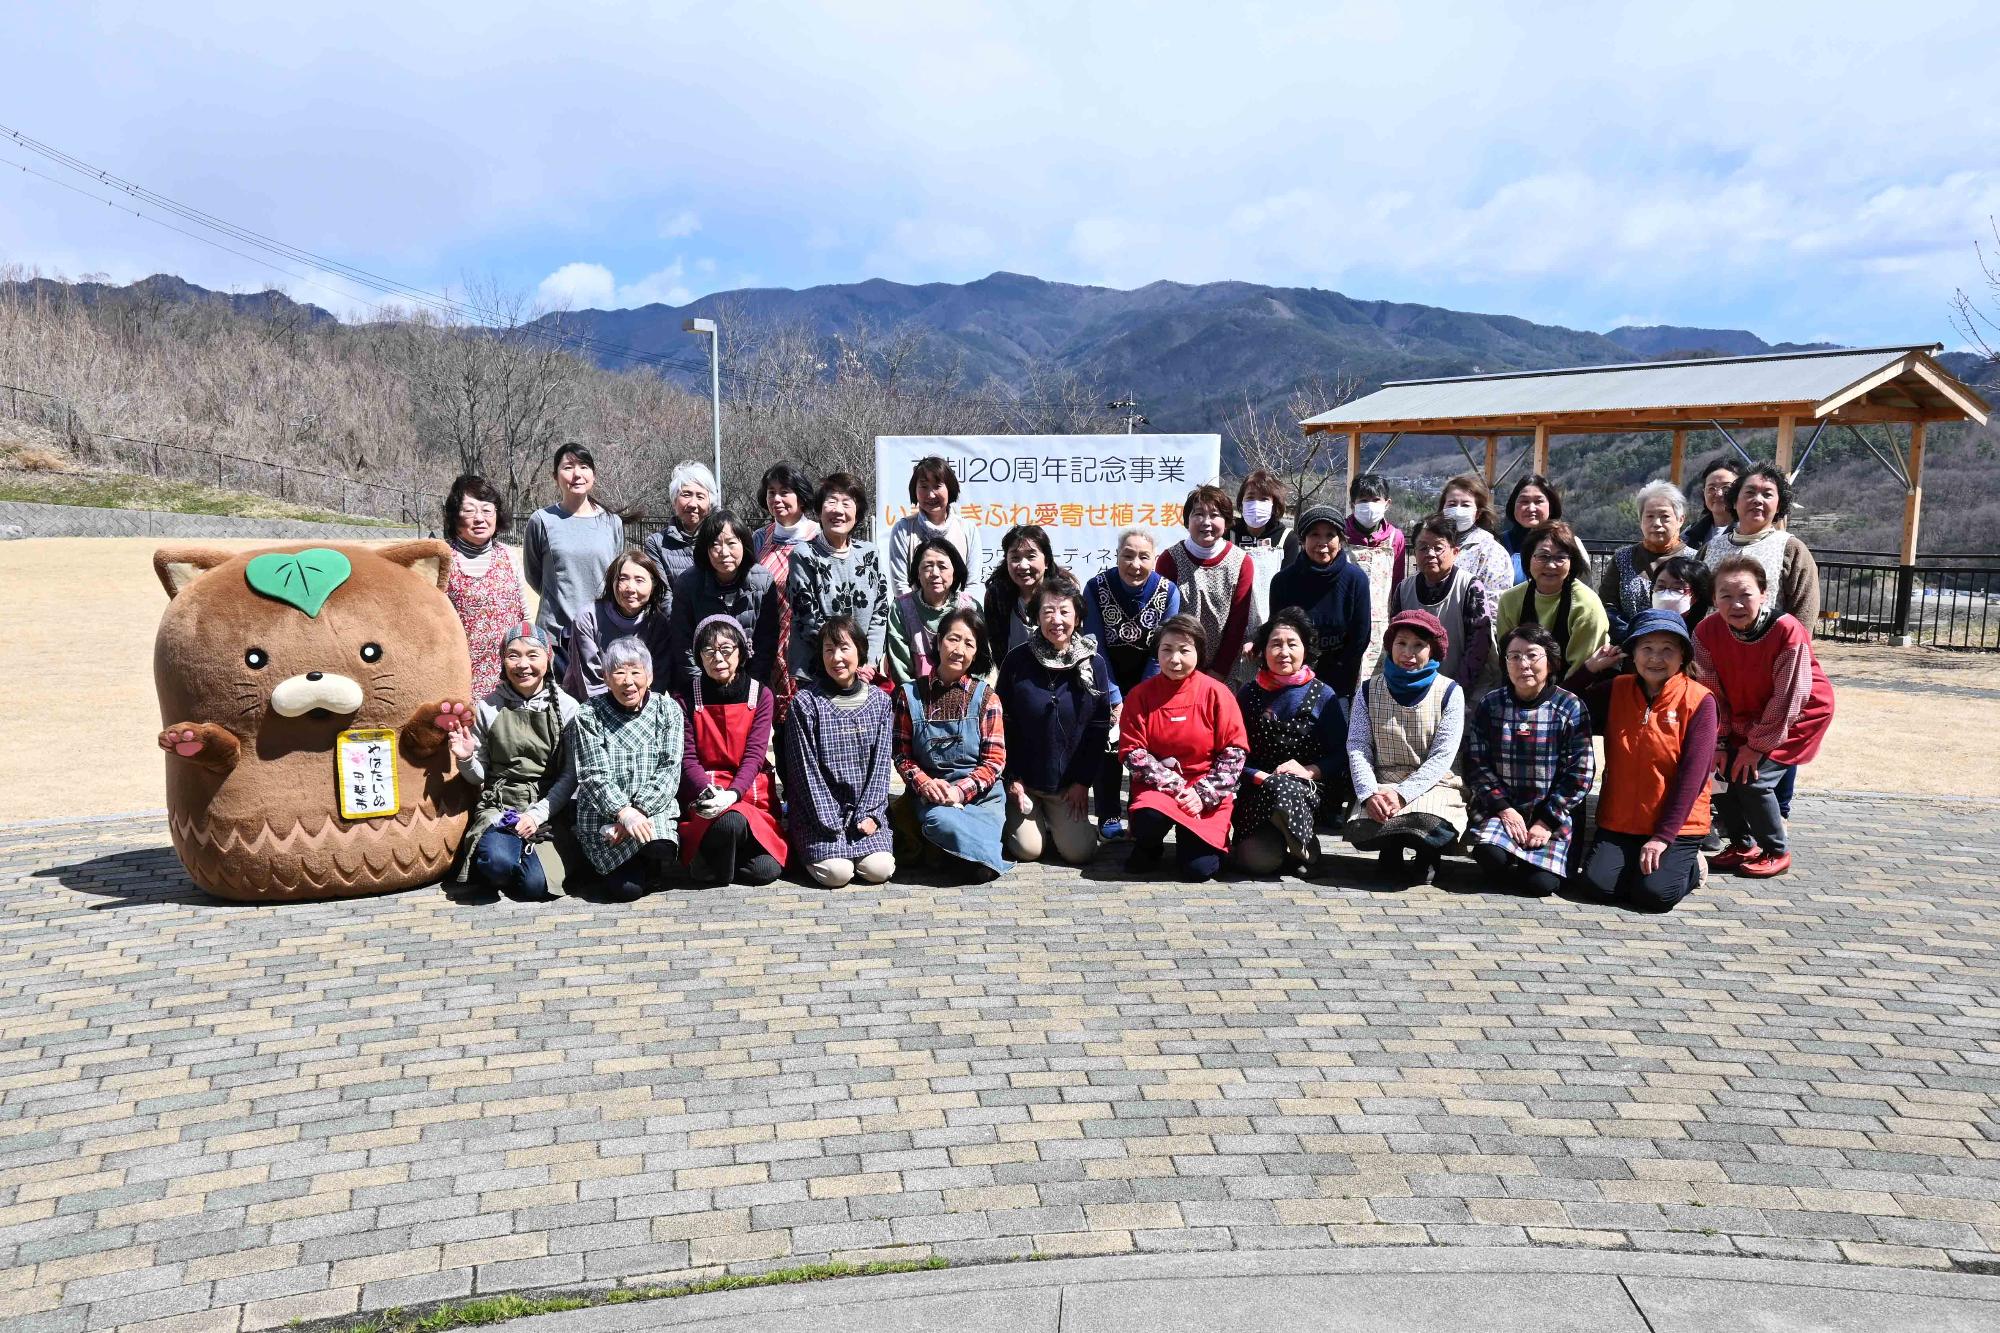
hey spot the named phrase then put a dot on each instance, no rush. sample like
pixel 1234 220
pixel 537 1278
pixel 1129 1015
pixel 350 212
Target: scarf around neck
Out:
pixel 803 530
pixel 1076 657
pixel 1204 553
pixel 1272 684
pixel 1406 686
pixel 471 550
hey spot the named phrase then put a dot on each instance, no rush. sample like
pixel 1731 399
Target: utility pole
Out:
pixel 1130 407
pixel 708 326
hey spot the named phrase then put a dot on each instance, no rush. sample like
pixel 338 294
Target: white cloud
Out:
pixel 661 287
pixel 586 286
pixel 683 223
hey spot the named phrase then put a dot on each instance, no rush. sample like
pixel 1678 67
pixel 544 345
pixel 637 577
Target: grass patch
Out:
pixel 121 491
pixel 498 1309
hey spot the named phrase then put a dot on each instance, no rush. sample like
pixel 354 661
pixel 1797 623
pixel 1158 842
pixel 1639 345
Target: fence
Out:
pixel 185 462
pixel 1939 602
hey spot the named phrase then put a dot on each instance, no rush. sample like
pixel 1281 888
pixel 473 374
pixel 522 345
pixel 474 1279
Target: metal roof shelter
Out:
pixel 1848 387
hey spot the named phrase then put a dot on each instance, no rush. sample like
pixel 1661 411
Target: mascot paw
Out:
pixel 201 743
pixel 427 728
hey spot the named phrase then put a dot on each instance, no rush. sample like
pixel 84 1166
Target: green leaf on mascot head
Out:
pixel 304 579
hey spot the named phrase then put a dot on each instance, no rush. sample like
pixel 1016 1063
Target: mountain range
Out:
pixel 1191 354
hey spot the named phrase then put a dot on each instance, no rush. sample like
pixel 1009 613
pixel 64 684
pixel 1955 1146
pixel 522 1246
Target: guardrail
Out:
pixel 1926 603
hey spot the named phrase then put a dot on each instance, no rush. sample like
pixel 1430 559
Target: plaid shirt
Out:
pixel 623 759
pixel 1534 758
pixel 947 703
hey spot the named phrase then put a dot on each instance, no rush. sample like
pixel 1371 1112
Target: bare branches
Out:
pixel 1981 327
pixel 1273 441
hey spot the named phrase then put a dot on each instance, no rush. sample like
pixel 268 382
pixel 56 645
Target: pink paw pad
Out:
pixel 187 746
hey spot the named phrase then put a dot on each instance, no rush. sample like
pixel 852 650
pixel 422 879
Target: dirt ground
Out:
pixel 76 655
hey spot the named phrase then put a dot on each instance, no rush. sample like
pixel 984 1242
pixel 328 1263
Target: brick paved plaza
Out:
pixel 224 1117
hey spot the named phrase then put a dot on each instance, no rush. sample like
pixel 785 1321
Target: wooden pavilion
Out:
pixel 1847 388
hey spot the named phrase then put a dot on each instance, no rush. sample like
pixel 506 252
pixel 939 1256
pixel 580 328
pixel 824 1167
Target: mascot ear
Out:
pixel 428 560
pixel 179 566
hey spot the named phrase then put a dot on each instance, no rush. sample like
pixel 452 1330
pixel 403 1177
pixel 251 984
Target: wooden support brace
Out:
pixel 1786 427
pixel 1913 498
pixel 1677 468
pixel 1492 459
pixel 1353 458
pixel 1542 449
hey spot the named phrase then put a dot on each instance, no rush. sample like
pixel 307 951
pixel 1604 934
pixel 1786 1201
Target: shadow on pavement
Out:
pixel 131 879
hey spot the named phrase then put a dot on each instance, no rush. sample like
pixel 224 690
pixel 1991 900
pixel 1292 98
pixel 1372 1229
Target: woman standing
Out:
pixel 1468 506
pixel 934 491
pixel 568 547
pixel 728 834
pixel 1556 595
pixel 1324 582
pixel 1683 585
pixel 723 581
pixel 1627 586
pixel 1442 587
pixel 634 605
pixel 1760 499
pixel 835 575
pixel 1182 735
pixel 936 585
pixel 839 749
pixel 483 586
pixel 1026 558
pixel 1717 480
pixel 951 747
pixel 785 490
pixel 1528 764
pixel 1402 743
pixel 1658 725
pixel 1057 695
pixel 1773 708
pixel 1376 546
pixel 1262 532
pixel 1216 580
pixel 516 753
pixel 628 767
pixel 1533 502
pixel 1297 729
pixel 1123 610
pixel 692 494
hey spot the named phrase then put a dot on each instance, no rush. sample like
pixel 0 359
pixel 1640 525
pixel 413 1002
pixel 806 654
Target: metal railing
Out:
pixel 184 462
pixel 1926 603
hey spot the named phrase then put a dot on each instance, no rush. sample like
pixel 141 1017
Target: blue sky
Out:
pixel 1806 171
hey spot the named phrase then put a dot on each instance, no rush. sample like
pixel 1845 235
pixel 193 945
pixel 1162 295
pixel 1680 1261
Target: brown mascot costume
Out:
pixel 303 690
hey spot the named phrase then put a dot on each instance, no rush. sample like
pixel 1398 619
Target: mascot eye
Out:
pixel 256 659
pixel 371 652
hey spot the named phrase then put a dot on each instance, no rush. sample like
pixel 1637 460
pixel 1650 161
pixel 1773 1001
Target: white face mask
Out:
pixel 1370 512
pixel 1680 603
pixel 1461 515
pixel 1256 513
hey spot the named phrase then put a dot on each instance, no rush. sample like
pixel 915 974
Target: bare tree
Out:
pixel 1981 325
pixel 1273 441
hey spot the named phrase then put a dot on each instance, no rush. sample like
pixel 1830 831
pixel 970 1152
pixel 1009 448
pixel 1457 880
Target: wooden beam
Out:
pixel 1913 499
pixel 1353 458
pixel 1492 459
pixel 1677 467
pixel 1863 386
pixel 1786 427
pixel 1951 390
pixel 1541 459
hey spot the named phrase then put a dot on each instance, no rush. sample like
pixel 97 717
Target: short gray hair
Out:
pixel 628 649
pixel 1146 533
pixel 697 473
pixel 1663 490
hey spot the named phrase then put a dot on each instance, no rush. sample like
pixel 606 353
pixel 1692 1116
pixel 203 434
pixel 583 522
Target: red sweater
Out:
pixel 1770 694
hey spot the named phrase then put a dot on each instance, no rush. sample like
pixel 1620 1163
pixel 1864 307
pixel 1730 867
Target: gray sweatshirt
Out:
pixel 564 558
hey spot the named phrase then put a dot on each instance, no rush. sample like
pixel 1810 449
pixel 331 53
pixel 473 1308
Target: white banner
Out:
pixel 1085 489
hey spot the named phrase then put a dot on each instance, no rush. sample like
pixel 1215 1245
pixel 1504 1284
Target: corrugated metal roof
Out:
pixel 1801 377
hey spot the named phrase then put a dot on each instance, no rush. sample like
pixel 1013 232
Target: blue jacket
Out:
pixel 1334 598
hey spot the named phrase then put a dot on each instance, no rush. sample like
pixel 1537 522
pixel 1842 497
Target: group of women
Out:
pixel 735 700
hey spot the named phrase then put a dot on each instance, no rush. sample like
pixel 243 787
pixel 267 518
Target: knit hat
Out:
pixel 527 629
pixel 1657 620
pixel 1321 514
pixel 1424 623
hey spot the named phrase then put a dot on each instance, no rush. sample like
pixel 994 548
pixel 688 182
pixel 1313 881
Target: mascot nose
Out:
pixel 299 695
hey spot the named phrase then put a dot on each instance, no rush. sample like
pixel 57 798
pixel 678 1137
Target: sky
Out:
pixel 1806 171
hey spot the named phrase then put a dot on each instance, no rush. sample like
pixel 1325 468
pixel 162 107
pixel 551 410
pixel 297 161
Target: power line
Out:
pixel 360 277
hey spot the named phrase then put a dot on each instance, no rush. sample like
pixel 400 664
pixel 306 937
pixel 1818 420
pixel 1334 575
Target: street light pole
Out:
pixel 714 333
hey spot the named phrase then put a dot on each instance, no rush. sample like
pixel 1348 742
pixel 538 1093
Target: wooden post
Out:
pixel 1542 449
pixel 1785 425
pixel 1678 467
pixel 1913 511
pixel 1353 458
pixel 1492 459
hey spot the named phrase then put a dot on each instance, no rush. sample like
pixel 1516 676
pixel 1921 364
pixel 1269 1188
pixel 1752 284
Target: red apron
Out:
pixel 721 731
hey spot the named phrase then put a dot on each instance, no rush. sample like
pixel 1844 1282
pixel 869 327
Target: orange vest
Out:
pixel 1642 752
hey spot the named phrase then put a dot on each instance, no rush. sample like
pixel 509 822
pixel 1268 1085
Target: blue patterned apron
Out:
pixel 950 750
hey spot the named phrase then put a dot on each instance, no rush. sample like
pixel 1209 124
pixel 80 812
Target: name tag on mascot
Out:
pixel 364 765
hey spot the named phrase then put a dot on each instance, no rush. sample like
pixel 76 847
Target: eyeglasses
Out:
pixel 478 511
pixel 1527 659
pixel 1552 557
pixel 719 650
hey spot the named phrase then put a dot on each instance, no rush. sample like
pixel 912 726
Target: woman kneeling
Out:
pixel 1402 740
pixel 951 746
pixel 728 835
pixel 1658 725
pixel 517 753
pixel 1529 764
pixel 628 767
pixel 1297 727
pixel 839 748
pixel 1182 736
